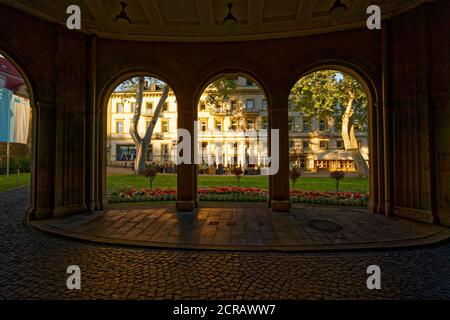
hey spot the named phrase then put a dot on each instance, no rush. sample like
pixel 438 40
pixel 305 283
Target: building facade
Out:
pixel 226 132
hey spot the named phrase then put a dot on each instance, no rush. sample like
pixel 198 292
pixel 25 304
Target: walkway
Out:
pixel 246 228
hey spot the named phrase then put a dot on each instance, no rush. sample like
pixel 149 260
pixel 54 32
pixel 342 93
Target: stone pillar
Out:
pixel 387 118
pixel 42 182
pixel 187 173
pixel 279 183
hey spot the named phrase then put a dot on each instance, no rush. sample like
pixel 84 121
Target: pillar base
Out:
pixel 280 205
pixel 185 206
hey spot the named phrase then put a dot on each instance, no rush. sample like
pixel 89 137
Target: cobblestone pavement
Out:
pixel 33 266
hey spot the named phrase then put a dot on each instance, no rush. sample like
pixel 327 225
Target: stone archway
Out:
pixel 105 106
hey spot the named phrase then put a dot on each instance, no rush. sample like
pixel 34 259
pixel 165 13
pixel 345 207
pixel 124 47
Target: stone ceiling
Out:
pixel 201 20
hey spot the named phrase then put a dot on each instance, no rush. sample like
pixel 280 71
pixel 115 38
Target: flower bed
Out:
pixel 239 194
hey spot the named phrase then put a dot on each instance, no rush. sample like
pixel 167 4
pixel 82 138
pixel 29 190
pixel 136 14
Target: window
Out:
pixel 119 107
pixel 233 125
pixel 305 144
pixel 339 144
pixel 264 105
pixel 202 106
pixel 2 82
pixel 290 106
pixel 149 106
pixel 166 106
pixel 291 124
pixel 133 107
pixel 249 83
pixel 204 145
pixel 125 153
pixel 203 125
pixel 250 124
pixel 323 145
pixel 265 124
pixel 218 125
pixel 165 152
pixel 250 103
pixel 119 126
pixel 164 126
pixel 150 152
pixel 306 125
pixel 322 125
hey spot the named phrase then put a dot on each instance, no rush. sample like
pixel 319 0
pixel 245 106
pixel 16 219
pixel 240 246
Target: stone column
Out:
pixel 42 182
pixel 279 183
pixel 187 173
pixel 387 118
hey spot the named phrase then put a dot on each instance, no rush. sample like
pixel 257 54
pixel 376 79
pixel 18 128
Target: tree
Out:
pixel 334 94
pixel 137 85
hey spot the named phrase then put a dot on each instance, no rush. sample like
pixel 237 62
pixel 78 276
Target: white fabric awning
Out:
pixel 335 155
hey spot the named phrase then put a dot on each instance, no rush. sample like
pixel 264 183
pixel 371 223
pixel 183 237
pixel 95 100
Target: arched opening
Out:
pixel 16 127
pixel 141 139
pixel 232 130
pixel 329 142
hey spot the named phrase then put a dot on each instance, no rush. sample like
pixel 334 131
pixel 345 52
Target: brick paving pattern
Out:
pixel 243 228
pixel 33 266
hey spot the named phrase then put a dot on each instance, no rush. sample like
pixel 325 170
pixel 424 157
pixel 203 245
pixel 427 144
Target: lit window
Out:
pixel 291 124
pixel 218 125
pixel 164 126
pixel 204 125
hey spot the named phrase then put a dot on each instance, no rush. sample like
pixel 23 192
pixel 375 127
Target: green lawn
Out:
pixel 304 183
pixel 11 182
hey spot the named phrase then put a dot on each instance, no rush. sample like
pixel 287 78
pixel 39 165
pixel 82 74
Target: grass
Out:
pixel 305 183
pixel 11 182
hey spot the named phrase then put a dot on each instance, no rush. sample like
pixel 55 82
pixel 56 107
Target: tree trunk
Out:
pixel 142 143
pixel 349 139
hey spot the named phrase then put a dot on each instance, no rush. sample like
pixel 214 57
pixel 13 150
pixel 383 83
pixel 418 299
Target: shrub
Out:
pixel 238 174
pixel 337 176
pixel 294 174
pixel 150 173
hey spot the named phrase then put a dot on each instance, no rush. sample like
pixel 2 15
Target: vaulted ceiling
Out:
pixel 202 20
